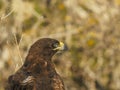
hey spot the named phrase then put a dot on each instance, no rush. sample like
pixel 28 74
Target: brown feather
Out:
pixel 38 71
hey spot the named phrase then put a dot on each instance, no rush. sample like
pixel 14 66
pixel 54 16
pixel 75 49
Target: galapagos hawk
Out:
pixel 38 71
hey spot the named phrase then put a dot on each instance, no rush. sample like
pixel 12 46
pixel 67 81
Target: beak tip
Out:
pixel 65 47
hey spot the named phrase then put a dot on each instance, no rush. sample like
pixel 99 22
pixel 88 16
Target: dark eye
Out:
pixel 55 45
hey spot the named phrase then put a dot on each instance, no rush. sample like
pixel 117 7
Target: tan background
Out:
pixel 90 28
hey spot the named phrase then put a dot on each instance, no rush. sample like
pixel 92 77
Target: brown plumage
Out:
pixel 38 71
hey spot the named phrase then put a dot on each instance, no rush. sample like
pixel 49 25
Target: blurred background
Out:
pixel 90 28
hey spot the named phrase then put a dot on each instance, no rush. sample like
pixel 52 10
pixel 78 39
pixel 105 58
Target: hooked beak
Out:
pixel 61 47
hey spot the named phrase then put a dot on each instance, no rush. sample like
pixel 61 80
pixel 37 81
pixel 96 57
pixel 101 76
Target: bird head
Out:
pixel 47 47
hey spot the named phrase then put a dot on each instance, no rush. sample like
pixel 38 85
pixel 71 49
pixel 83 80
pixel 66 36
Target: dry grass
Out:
pixel 90 28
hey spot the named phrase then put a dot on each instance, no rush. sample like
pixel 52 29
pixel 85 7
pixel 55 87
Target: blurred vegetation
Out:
pixel 90 28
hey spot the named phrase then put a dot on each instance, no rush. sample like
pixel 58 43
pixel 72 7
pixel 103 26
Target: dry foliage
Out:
pixel 90 28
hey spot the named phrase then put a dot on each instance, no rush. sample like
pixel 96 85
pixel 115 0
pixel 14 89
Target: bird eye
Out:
pixel 55 45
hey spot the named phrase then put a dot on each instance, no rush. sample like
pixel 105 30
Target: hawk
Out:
pixel 38 71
